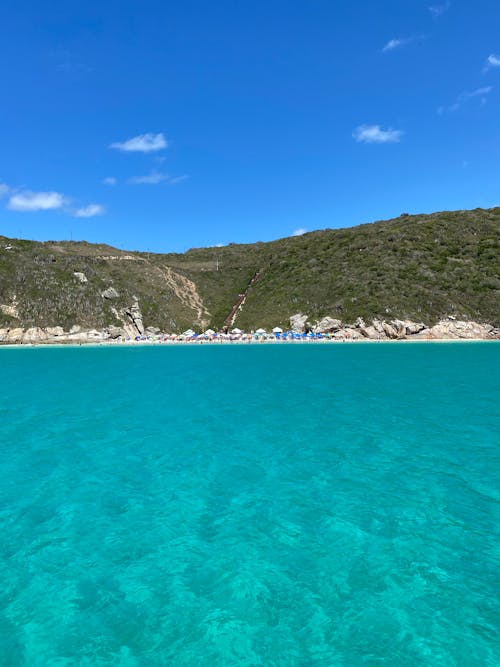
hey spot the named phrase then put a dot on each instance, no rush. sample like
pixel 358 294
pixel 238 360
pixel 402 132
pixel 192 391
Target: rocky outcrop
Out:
pixel 456 329
pixel 135 316
pixel 298 322
pixel 449 329
pixel 10 309
pixel 396 329
pixel 110 293
pixel 327 325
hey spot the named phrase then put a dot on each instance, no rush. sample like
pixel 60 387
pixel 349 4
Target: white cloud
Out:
pixel 156 177
pixel 4 190
pixel 299 231
pixel 439 10
pixel 153 178
pixel 464 97
pixel 395 44
pixel 36 201
pixel 374 134
pixel 109 180
pixel 89 211
pixel 400 42
pixel 493 61
pixel 143 143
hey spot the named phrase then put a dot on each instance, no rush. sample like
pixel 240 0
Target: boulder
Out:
pixel 298 322
pixel 14 335
pixel 34 335
pixel 327 325
pixel 379 327
pixel 390 331
pixel 110 293
pixel 413 328
pixel 371 333
pixel 459 329
pixel 55 332
pixel 400 327
pixel 80 276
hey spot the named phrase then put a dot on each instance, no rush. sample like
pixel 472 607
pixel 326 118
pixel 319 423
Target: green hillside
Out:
pixel 421 267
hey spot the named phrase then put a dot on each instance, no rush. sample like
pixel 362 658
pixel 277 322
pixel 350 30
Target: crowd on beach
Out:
pixel 235 335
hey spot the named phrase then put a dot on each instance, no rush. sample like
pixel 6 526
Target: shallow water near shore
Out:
pixel 250 505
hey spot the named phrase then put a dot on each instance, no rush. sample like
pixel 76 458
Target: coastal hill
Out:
pixel 416 267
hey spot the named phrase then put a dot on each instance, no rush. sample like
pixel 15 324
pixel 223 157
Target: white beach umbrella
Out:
pixel 277 330
pixel 189 332
pixel 236 331
pixel 260 332
pixel 209 332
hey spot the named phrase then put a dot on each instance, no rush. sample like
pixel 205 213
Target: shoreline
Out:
pixel 212 343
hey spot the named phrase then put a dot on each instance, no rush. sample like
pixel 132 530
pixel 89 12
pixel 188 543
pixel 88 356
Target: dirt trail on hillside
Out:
pixel 240 302
pixel 186 291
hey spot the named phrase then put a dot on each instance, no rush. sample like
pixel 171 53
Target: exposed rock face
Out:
pixel 10 309
pixel 298 322
pixel 80 276
pixel 110 293
pixel 135 316
pixel 455 329
pixel 448 329
pixel 404 329
pixel 327 324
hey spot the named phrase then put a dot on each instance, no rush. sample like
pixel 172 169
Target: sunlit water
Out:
pixel 254 505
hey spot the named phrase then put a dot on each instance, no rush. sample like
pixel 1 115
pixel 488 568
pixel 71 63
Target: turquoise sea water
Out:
pixel 253 505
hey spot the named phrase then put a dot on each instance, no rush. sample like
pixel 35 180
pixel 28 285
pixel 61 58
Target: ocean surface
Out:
pixel 275 505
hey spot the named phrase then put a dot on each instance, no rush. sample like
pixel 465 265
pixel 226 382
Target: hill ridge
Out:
pixel 414 267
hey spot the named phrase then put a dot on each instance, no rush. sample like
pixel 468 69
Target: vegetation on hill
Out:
pixel 420 267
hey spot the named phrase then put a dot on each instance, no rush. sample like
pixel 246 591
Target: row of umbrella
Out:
pixel 276 333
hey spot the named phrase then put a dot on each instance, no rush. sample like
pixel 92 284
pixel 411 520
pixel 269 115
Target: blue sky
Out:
pixel 165 125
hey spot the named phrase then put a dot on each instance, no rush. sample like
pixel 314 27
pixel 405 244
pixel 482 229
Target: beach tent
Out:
pixel 277 330
pixel 260 332
pixel 236 331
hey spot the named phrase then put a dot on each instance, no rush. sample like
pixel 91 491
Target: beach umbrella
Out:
pixel 236 331
pixel 189 332
pixel 260 332
pixel 209 332
pixel 277 330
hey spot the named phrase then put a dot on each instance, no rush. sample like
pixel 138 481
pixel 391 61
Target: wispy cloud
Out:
pixel 393 44
pixel 28 201
pixel 89 211
pixel 299 232
pixel 143 143
pixel 156 177
pixel 439 9
pixel 374 134
pixel 153 178
pixel 400 42
pixel 109 180
pixel 464 97
pixel 492 61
